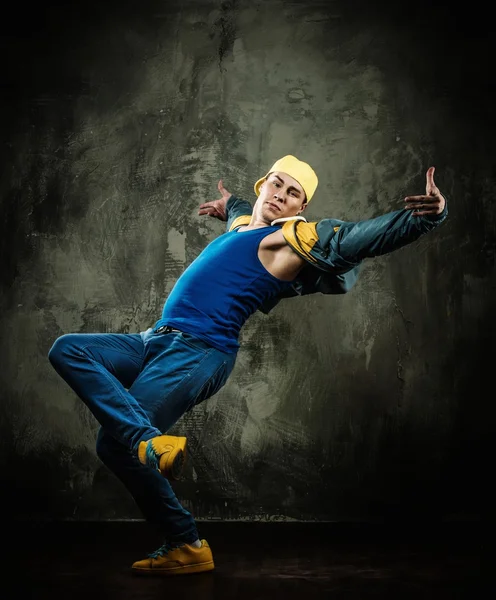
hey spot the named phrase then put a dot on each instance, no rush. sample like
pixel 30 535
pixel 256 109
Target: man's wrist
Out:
pixel 443 214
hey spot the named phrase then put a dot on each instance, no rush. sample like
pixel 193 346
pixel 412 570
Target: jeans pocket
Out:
pixel 194 342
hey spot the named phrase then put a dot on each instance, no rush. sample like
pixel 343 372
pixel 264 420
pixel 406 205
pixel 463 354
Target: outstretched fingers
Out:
pixel 430 203
pixel 422 205
pixel 207 208
pixel 216 208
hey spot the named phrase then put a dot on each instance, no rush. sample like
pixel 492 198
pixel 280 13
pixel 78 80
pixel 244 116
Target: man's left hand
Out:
pixel 216 208
pixel 432 203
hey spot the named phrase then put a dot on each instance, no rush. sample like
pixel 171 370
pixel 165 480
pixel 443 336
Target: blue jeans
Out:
pixel 137 386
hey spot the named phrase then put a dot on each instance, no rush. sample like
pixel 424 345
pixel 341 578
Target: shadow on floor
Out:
pixel 76 560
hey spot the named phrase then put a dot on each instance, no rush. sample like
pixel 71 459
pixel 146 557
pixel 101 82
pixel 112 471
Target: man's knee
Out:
pixel 62 348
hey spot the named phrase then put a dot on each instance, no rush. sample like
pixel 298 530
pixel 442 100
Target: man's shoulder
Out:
pixel 239 221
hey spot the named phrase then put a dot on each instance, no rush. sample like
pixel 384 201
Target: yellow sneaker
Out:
pixel 176 560
pixel 167 453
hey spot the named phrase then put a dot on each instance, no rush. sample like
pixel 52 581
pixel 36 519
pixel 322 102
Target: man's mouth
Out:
pixel 274 206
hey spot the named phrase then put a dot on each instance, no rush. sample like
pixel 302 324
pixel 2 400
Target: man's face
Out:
pixel 280 196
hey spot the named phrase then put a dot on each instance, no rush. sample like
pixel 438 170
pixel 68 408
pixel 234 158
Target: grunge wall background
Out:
pixel 118 122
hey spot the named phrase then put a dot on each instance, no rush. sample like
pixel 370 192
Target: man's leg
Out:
pixel 152 493
pixel 179 371
pixel 184 371
pixel 166 376
pixel 99 368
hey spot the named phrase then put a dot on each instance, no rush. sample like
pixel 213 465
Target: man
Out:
pixel 138 385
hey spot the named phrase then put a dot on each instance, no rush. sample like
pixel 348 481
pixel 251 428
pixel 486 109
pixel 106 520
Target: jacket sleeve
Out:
pixel 238 212
pixel 343 245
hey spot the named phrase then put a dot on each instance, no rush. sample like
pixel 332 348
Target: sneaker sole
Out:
pixel 178 465
pixel 187 570
pixel 174 466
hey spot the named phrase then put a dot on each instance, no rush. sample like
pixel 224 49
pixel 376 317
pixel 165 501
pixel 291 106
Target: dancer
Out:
pixel 138 385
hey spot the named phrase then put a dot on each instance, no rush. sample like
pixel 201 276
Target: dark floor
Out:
pixel 256 561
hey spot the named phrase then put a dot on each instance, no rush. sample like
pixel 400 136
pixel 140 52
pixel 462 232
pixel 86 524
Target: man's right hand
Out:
pixel 216 208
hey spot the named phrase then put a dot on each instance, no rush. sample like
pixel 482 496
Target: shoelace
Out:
pixel 152 458
pixel 164 549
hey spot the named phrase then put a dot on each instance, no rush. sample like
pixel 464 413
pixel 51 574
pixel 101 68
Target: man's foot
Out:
pixel 173 559
pixel 167 453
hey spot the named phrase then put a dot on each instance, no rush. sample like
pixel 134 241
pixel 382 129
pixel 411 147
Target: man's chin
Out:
pixel 271 213
pixel 269 217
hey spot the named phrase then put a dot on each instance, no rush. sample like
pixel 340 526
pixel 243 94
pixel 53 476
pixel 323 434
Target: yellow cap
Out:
pixel 301 171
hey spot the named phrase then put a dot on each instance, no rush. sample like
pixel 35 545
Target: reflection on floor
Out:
pixel 253 560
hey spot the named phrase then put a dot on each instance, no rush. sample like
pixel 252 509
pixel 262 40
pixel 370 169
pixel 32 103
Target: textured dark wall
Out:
pixel 117 122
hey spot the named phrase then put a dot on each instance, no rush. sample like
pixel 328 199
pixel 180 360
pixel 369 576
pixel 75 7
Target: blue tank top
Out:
pixel 221 288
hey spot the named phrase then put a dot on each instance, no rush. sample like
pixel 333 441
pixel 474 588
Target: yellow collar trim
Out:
pixel 284 219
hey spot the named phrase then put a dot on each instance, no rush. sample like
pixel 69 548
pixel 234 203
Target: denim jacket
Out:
pixel 334 249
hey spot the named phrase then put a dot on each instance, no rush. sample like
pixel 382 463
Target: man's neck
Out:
pixel 256 223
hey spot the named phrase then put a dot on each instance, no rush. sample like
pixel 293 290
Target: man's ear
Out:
pixel 302 208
